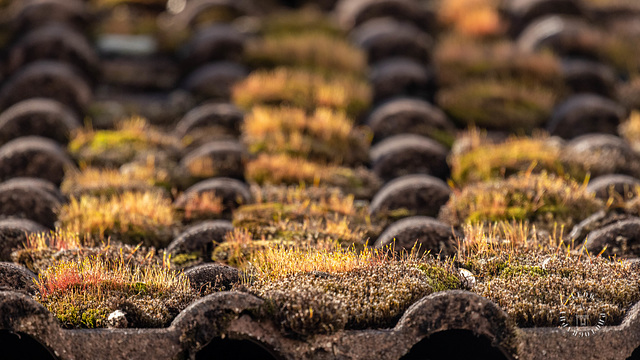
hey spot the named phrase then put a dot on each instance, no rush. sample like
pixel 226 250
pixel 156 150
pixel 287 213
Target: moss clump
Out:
pixel 314 292
pixel 239 247
pixel 630 130
pixel 535 278
pixel 471 17
pixel 326 135
pixel 108 182
pixel 307 217
pixel 283 169
pixel 314 217
pixel 129 217
pixel 301 225
pixel 486 161
pixel 83 293
pixel 305 20
pixel 43 250
pixel 498 104
pixel 535 289
pixel 459 59
pixel 314 51
pixel 117 147
pixel 303 89
pixel 545 200
pixel 202 206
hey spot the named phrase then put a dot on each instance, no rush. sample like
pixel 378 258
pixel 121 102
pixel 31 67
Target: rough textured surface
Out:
pixel 22 199
pixel 231 314
pixel 34 156
pixel 420 232
pixel 222 115
pixel 620 239
pixel 16 278
pixel 419 194
pixel 583 114
pixel 39 117
pixel 401 76
pixel 384 38
pixel 200 239
pixel 55 80
pixel 216 159
pixel 601 154
pixel 409 154
pixel 213 277
pixel 13 233
pixel 607 185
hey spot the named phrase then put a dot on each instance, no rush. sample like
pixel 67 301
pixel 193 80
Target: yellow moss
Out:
pixel 279 261
pixel 122 144
pixel 59 239
pixel 129 217
pixel 630 130
pixel 106 181
pixel 472 17
pixel 314 51
pixel 486 161
pixel 203 206
pixel 544 199
pixel 325 135
pixel 307 19
pixel 498 104
pixel 460 59
pixel 303 89
pixel 82 293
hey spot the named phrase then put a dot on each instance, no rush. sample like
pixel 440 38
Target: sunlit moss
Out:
pixel 326 135
pixel 498 104
pixel 128 217
pixel 202 206
pixel 315 292
pixel 460 59
pixel 475 18
pixel 119 146
pixel 107 181
pixel 303 89
pixel 307 19
pixel 486 161
pixel 545 200
pixel 535 279
pixel 313 51
pixel 630 130
pixel 283 169
pixel 83 293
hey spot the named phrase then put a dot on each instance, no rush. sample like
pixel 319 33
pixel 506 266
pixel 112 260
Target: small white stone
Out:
pixel 467 279
pixel 117 319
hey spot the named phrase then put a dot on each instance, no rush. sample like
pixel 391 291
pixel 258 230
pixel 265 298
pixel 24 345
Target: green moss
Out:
pixel 537 279
pixel 184 258
pixel 534 290
pixel 306 20
pixel 439 278
pixel 547 201
pixel 307 221
pixel 518 270
pixel 91 317
pixel 487 161
pixel 119 146
pixel 498 105
pixel 315 51
pixel 459 60
pixel 82 293
pixel 373 296
pixel 304 89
